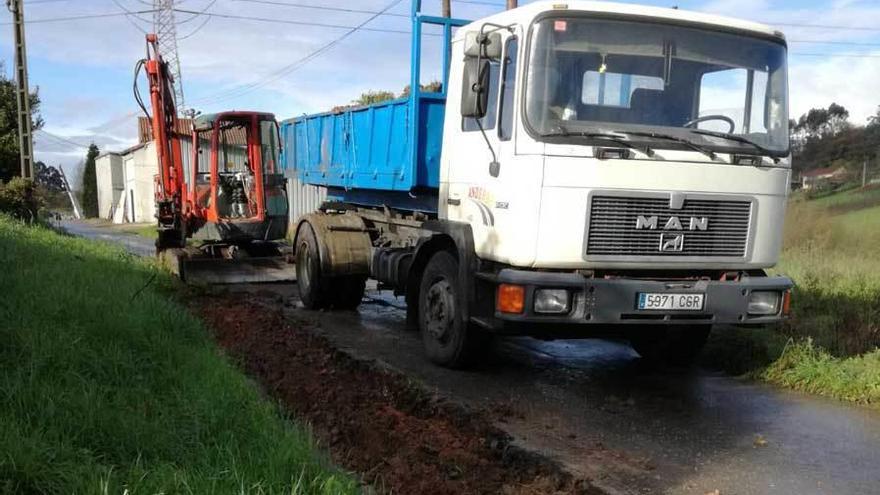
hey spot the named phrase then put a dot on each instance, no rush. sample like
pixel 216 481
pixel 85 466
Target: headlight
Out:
pixel 552 301
pixel 764 303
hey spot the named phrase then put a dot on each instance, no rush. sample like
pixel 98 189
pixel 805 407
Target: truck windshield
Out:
pixel 630 77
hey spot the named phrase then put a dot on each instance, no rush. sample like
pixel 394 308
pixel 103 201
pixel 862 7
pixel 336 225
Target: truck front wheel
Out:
pixel 448 340
pixel 677 345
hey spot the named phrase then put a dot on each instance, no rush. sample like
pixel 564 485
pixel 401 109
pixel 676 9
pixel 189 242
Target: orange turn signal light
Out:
pixel 511 299
pixel 786 303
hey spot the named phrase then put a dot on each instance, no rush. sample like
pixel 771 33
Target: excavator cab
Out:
pixel 236 188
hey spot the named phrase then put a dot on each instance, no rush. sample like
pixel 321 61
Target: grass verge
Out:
pixel 108 385
pixel 830 346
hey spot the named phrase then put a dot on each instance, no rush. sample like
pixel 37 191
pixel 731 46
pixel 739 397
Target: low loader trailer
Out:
pixel 585 169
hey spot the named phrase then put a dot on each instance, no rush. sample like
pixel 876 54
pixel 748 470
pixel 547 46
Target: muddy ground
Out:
pixel 396 436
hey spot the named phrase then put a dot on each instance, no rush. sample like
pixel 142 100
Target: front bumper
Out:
pixel 600 306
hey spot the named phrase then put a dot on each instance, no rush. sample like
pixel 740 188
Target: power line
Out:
pixel 60 140
pixel 322 7
pixel 248 88
pixel 196 16
pixel 129 17
pixel 196 30
pixel 82 17
pixel 297 23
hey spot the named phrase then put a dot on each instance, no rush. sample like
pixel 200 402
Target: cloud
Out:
pixel 851 82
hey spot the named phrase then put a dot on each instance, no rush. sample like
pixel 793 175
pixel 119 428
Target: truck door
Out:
pixel 489 185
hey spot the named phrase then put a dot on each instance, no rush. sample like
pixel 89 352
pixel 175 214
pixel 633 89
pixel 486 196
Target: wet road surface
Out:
pixel 133 243
pixel 589 405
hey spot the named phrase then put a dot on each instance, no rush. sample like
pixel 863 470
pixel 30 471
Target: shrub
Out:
pixel 21 199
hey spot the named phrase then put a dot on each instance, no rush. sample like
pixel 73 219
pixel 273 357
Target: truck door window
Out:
pixel 722 93
pixel 508 90
pixel 728 93
pixel 488 122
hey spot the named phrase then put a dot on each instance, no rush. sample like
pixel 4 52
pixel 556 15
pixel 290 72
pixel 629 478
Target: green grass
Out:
pixel 804 366
pixel 832 252
pixel 109 386
pixel 149 231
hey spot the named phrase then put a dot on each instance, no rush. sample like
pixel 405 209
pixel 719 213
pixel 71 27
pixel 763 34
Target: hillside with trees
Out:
pixel 825 138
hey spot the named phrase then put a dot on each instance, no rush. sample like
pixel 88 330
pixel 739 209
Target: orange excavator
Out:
pixel 220 186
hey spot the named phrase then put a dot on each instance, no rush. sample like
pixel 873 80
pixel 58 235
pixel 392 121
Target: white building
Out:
pixel 125 184
pixel 126 190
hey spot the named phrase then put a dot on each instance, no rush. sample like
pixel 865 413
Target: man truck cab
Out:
pixel 605 170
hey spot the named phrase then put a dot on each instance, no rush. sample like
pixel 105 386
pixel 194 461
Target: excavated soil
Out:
pixel 374 422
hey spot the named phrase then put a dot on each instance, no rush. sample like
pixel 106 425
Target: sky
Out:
pixel 84 66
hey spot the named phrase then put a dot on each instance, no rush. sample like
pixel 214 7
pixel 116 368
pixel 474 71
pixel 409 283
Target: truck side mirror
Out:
pixel 478 45
pixel 475 88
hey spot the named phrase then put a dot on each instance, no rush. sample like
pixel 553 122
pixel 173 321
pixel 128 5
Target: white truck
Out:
pixel 587 169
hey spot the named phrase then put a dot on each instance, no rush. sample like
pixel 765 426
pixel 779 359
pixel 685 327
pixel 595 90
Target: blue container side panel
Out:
pixel 368 147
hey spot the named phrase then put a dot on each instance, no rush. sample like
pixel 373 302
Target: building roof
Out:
pixel 821 172
pixel 145 129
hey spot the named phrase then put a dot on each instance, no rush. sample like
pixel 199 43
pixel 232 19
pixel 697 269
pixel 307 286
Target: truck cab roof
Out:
pixel 526 14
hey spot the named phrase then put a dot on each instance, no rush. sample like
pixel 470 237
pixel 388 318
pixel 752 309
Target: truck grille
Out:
pixel 708 228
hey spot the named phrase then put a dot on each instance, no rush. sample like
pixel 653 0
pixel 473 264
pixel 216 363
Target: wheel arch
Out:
pixel 344 246
pixel 458 239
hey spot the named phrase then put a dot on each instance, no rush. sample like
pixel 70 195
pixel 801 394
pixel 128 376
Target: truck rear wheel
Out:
pixel 308 270
pixel 448 340
pixel 677 345
pixel 348 292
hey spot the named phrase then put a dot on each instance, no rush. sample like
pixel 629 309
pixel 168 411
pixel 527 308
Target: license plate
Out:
pixel 671 302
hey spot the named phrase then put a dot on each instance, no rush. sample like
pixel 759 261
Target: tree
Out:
pixel 874 120
pixel 48 177
pixel 371 97
pixel 10 161
pixel 90 184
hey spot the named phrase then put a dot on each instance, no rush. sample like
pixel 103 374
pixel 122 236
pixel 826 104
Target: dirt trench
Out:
pixel 397 437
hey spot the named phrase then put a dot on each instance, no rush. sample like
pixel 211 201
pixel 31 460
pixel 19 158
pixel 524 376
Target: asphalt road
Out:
pixel 134 243
pixel 590 406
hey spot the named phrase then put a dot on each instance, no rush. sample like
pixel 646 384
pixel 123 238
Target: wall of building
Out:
pixel 141 167
pixel 110 181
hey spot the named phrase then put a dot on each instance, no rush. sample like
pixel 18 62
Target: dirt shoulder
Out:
pixel 398 437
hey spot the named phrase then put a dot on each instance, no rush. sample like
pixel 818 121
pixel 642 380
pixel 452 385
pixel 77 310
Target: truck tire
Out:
pixel 448 340
pixel 348 291
pixel 312 291
pixel 677 345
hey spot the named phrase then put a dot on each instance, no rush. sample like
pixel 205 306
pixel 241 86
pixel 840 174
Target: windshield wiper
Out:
pixel 738 139
pixel 615 138
pixel 669 137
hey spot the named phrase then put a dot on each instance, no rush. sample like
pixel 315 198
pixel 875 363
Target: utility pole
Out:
pixel 865 172
pixel 22 94
pixel 165 28
pixel 511 4
pixel 446 8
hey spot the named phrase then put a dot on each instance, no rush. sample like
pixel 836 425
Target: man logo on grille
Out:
pixel 644 222
pixel 671 242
